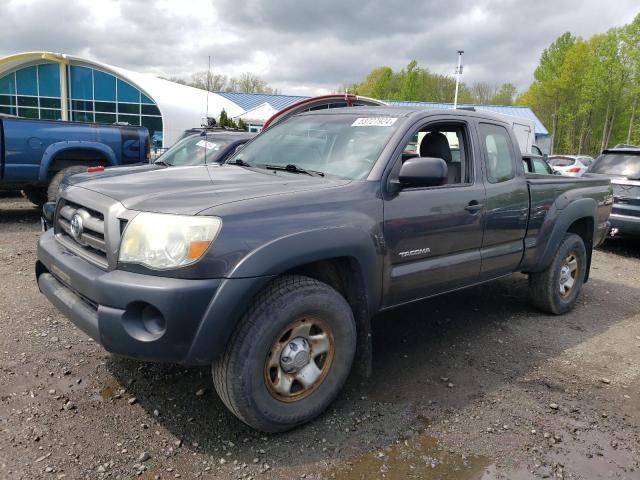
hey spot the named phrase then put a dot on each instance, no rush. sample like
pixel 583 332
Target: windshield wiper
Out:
pixel 162 162
pixel 293 168
pixel 239 162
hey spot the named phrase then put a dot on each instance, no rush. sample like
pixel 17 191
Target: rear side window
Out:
pixel 627 165
pixel 561 161
pixel 498 152
pixel 540 167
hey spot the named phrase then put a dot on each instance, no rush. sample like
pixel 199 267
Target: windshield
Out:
pixel 561 161
pixel 193 150
pixel 617 164
pixel 344 145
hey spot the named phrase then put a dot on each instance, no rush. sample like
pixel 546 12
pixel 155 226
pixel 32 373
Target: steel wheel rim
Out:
pixel 293 385
pixel 568 274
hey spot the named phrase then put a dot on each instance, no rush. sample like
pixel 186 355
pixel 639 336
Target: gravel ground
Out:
pixel 471 385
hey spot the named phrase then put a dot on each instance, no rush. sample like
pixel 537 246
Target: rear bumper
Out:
pixel 624 225
pixel 144 316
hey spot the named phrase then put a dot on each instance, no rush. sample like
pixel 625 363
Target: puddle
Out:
pixel 111 390
pixel 596 454
pixel 108 392
pixel 419 457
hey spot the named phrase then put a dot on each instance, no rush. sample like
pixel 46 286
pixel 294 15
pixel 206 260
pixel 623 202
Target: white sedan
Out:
pixel 570 165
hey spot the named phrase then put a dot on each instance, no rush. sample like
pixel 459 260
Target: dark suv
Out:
pixel 622 165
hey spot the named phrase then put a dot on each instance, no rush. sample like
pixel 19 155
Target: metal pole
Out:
pixel 458 73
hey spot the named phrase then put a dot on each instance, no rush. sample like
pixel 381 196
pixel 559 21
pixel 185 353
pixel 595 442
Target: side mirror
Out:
pixel 423 172
pixel 545 157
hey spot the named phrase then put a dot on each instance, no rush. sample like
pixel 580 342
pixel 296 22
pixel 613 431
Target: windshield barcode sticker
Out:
pixel 374 122
pixel 208 145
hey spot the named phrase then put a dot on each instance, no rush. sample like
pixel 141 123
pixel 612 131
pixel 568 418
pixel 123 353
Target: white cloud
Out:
pixel 306 47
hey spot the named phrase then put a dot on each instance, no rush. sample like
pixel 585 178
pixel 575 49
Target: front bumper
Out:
pixel 624 225
pixel 143 316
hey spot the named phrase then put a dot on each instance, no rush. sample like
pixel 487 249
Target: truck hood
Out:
pixel 189 190
pixel 112 172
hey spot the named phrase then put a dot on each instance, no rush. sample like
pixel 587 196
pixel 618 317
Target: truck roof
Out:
pixel 407 112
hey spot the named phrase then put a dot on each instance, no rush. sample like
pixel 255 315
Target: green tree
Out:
pixel 505 95
pixel 630 38
pixel 588 91
pixel 547 76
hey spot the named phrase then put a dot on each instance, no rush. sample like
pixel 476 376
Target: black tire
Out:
pixel 240 375
pixel 54 185
pixel 545 288
pixel 36 195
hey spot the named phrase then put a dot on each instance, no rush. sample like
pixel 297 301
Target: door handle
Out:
pixel 474 206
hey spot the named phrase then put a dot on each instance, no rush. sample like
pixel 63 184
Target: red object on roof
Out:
pixel 97 168
pixel 319 101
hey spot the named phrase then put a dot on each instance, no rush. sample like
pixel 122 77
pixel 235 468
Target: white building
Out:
pixel 57 86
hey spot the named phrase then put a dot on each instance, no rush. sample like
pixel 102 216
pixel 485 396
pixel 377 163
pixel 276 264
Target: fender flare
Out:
pixel 261 266
pixel 291 251
pixel 53 150
pixel 554 228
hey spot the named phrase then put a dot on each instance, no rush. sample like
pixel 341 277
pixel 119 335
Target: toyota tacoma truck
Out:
pixel 269 267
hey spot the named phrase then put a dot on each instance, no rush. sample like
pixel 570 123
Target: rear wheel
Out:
pixel 556 289
pixel 289 356
pixel 54 185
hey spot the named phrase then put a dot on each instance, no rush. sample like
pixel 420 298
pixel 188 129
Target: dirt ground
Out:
pixel 471 385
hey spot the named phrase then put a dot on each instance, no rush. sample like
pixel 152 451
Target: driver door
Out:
pixel 434 234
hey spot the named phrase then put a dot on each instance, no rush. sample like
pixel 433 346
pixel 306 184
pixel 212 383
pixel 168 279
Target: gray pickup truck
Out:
pixel 269 267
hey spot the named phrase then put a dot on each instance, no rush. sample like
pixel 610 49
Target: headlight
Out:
pixel 167 241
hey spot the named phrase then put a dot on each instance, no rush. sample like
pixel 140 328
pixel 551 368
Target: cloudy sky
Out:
pixel 306 47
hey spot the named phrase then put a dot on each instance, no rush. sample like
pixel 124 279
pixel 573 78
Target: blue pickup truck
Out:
pixel 35 155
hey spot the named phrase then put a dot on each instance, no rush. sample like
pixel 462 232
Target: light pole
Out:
pixel 458 73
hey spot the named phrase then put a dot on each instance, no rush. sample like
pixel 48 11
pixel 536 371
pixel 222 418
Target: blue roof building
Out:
pixel 256 105
pixel 514 111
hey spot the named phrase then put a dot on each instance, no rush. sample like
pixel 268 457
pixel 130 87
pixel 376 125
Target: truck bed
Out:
pixel 549 195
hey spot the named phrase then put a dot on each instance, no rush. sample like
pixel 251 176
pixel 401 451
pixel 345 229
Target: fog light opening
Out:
pixel 144 322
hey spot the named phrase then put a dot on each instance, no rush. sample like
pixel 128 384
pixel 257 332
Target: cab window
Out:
pixel 448 142
pixel 498 151
pixel 541 167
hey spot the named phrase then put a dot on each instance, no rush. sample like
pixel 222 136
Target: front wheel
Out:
pixel 556 289
pixel 54 184
pixel 289 356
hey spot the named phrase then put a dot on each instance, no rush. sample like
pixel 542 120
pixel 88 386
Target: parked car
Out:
pixel 211 130
pixel 622 165
pixel 35 155
pixel 570 165
pixel 210 146
pixel 269 267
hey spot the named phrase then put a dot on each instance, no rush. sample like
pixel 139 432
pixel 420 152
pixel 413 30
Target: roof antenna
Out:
pixel 206 144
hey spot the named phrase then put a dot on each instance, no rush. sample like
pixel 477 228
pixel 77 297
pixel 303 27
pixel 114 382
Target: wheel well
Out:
pixel 77 156
pixel 583 227
pixel 344 274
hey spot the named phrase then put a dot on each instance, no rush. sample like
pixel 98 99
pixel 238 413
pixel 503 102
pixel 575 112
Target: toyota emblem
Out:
pixel 76 227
